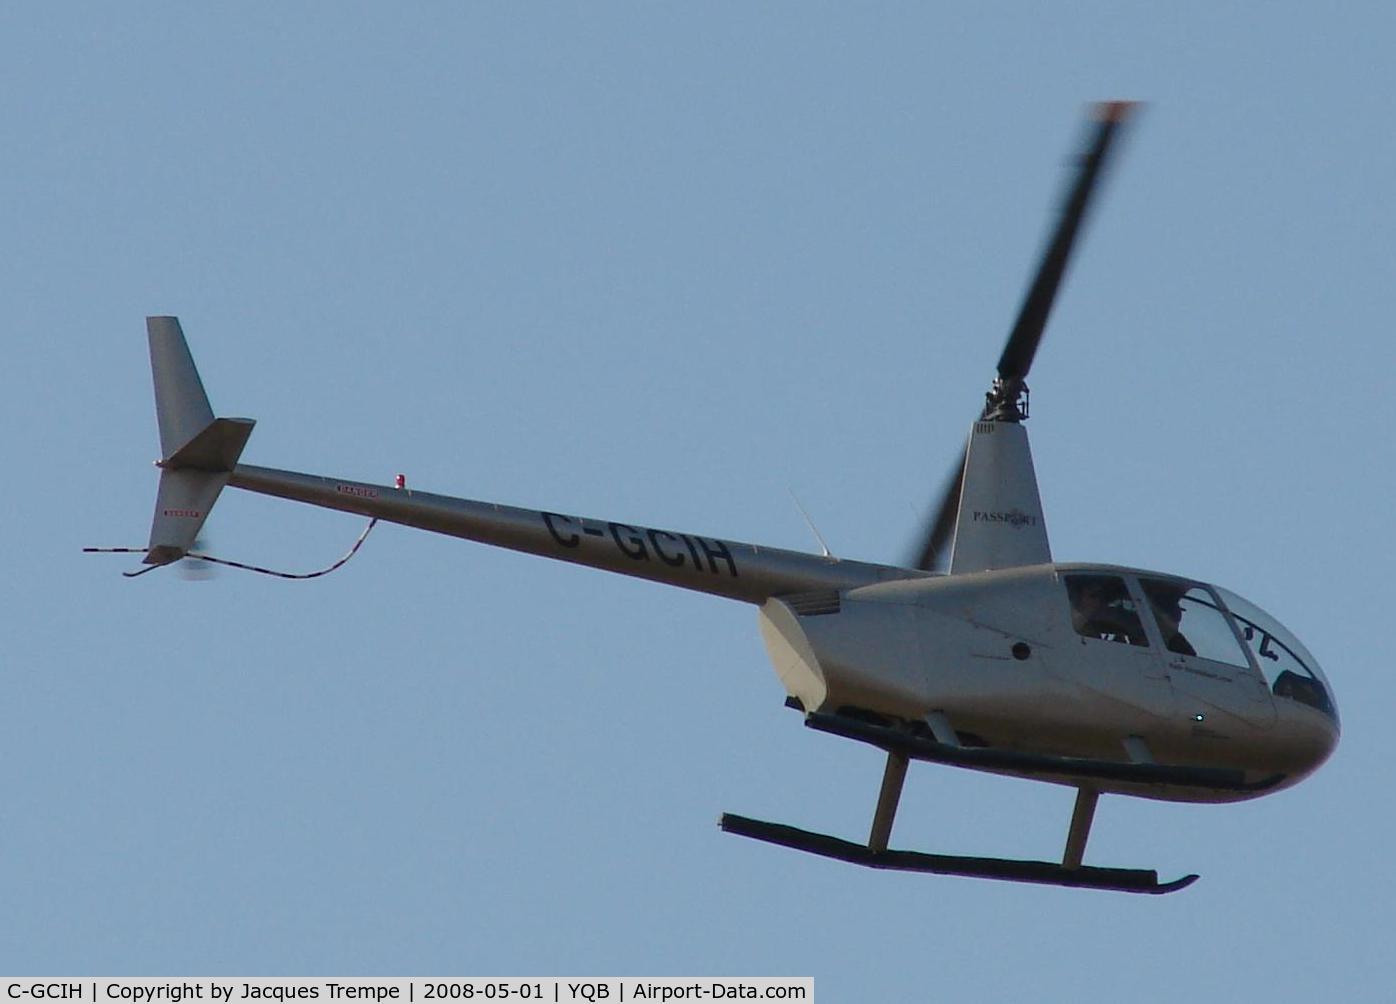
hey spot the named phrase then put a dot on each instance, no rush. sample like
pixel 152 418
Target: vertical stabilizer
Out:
pixel 197 451
pixel 181 507
pixel 1000 523
pixel 181 406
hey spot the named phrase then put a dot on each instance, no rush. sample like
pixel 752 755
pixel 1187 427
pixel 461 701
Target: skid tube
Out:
pixel 1004 869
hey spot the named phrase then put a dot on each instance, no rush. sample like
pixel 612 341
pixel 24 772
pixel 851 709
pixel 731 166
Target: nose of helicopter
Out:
pixel 1309 735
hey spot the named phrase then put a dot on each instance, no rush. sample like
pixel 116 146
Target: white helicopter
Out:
pixel 983 654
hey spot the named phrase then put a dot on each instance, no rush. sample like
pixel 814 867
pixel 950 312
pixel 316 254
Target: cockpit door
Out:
pixel 1210 669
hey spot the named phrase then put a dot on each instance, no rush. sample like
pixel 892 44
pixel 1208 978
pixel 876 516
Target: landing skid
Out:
pixel 1040 872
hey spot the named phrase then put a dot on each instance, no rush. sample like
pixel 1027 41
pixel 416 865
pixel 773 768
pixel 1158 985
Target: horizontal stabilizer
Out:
pixel 216 449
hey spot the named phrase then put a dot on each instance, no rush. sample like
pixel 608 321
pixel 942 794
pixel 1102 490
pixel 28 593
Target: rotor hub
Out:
pixel 1006 401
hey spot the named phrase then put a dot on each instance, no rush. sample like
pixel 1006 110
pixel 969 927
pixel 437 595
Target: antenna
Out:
pixel 195 556
pixel 813 529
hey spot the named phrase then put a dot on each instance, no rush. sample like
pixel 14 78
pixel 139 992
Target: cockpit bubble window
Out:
pixel 1288 667
pixel 1192 623
pixel 1101 608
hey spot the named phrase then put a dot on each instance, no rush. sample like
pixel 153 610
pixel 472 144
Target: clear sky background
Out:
pixel 656 263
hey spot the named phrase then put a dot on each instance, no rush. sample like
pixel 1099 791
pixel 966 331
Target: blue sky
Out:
pixel 657 263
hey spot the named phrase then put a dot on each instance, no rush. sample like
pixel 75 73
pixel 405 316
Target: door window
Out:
pixel 1101 608
pixel 1191 622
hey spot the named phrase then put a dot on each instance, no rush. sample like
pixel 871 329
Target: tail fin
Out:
pixel 198 451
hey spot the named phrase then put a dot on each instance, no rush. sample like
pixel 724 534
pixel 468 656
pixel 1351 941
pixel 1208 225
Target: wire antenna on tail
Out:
pixel 239 564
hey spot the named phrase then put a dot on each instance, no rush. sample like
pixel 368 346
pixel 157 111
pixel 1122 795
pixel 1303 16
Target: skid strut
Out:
pixel 892 779
pixel 1081 817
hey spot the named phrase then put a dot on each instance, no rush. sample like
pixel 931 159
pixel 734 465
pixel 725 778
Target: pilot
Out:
pixel 1168 609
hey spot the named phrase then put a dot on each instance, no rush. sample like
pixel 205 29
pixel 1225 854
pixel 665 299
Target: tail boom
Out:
pixel 691 561
pixel 199 458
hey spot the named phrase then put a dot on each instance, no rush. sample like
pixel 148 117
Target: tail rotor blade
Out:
pixel 194 570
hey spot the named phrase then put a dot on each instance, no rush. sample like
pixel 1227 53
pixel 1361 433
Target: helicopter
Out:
pixel 982 652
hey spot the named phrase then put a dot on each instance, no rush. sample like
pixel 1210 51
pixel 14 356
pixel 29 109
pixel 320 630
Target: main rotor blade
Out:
pixel 934 553
pixel 1032 318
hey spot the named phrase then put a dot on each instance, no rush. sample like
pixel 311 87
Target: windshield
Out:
pixel 1289 669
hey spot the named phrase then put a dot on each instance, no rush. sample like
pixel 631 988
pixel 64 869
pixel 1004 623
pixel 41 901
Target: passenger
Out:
pixel 1100 608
